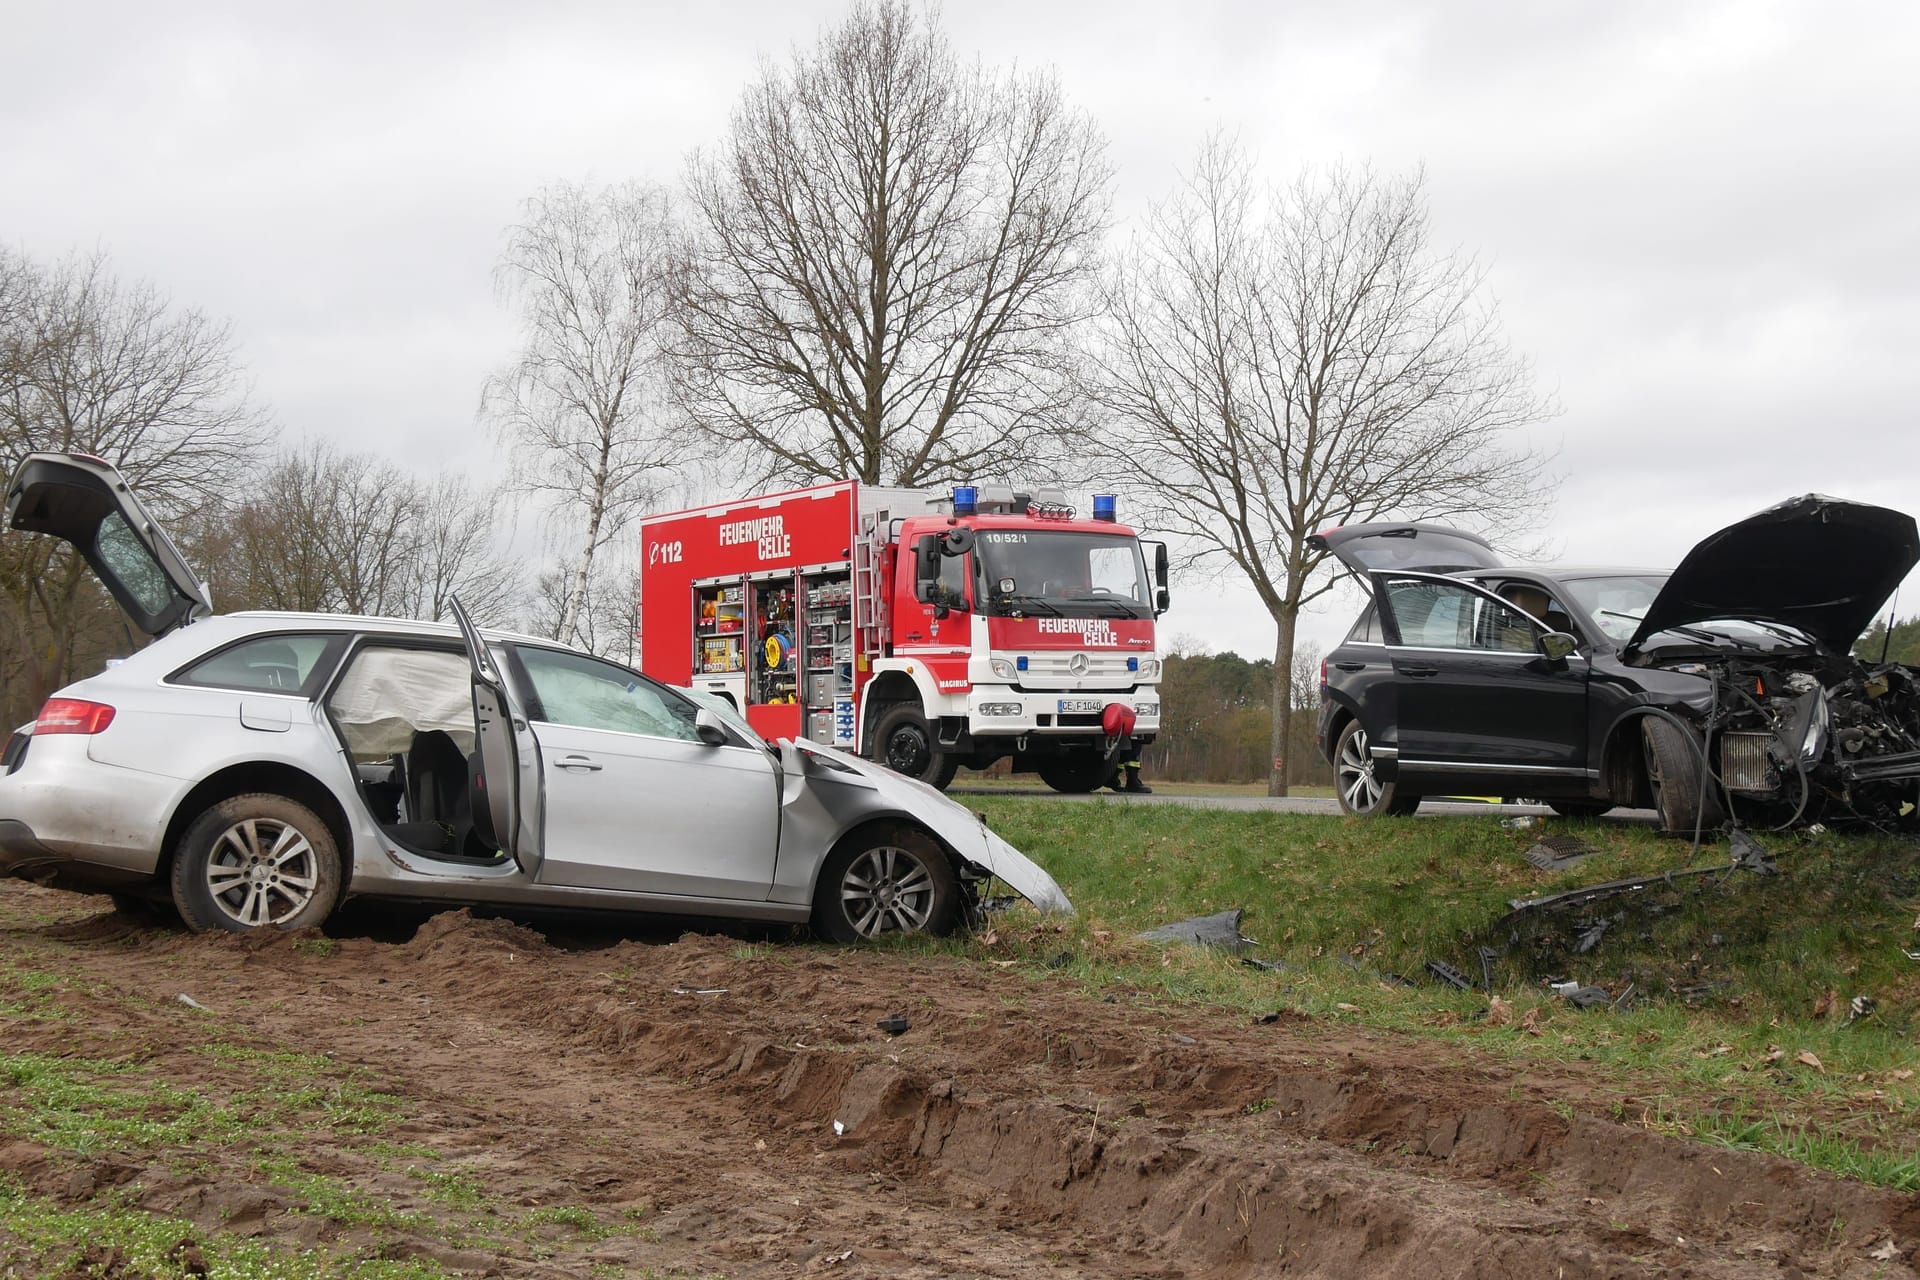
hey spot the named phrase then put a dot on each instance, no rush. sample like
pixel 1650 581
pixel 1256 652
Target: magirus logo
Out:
pixel 1095 631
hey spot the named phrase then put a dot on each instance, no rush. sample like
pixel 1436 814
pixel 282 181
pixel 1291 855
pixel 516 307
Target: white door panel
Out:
pixel 646 814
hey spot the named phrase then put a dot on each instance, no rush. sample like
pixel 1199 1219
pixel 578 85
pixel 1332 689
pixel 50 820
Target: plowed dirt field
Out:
pixel 710 1105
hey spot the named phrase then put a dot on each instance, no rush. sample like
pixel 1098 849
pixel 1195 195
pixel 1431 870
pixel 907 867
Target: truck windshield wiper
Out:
pixel 1017 604
pixel 1126 608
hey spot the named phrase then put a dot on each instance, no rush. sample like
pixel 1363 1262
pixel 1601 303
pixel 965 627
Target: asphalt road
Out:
pixel 1288 804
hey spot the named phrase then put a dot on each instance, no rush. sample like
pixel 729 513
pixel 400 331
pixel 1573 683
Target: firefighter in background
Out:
pixel 1117 723
pixel 1126 775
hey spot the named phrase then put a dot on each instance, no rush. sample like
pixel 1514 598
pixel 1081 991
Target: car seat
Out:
pixel 436 777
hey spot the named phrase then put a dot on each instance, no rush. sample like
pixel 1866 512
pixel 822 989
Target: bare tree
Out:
pixel 594 276
pixel 1277 362
pixel 325 531
pixel 892 247
pixel 456 550
pixel 91 365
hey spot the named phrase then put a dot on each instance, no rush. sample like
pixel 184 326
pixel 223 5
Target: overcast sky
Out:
pixel 1700 218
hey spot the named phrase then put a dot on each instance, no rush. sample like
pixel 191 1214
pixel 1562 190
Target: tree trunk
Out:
pixel 1282 698
pixel 576 603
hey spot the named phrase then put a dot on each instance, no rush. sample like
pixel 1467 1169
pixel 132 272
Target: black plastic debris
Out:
pixel 1748 854
pixel 1255 962
pixel 894 1023
pixel 1557 853
pixel 1061 961
pixel 1268 1017
pixel 1588 997
pixel 1221 929
pixel 1589 936
pixel 1487 956
pixel 1449 975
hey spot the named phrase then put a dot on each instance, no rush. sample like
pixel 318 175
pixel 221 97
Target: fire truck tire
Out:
pixel 885 880
pixel 1075 775
pixel 904 744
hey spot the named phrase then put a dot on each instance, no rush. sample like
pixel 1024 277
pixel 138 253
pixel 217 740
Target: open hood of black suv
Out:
pixel 1820 564
pixel 85 501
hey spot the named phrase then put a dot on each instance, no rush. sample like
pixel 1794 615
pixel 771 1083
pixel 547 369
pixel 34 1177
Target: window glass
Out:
pixel 586 693
pixel 1367 629
pixel 275 664
pixel 387 695
pixel 1444 615
pixel 1616 604
pixel 128 559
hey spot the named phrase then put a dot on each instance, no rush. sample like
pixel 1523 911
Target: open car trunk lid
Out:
pixel 1822 565
pixel 85 501
pixel 1405 547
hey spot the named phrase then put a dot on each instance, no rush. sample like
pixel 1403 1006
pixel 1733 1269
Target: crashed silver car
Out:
pixel 258 769
pixel 1723 690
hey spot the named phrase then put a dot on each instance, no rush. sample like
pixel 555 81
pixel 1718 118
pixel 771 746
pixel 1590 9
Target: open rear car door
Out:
pixel 507 786
pixel 85 501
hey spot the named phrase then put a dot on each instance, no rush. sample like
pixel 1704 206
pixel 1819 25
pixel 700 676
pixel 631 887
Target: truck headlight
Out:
pixel 1002 669
pixel 1149 668
pixel 1001 708
pixel 1147 709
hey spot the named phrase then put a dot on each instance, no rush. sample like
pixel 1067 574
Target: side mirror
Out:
pixel 1161 601
pixel 1159 563
pixel 926 567
pixel 709 728
pixel 1558 646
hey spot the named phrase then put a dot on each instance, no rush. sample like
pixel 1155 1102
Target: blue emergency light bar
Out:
pixel 1104 507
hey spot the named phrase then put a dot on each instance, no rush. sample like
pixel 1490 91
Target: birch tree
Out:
pixel 593 275
pixel 1278 361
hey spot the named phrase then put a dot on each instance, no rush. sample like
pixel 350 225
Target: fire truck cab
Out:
pixel 923 629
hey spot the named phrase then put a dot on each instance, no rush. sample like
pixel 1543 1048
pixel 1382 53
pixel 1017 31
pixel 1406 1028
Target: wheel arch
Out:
pixel 877 823
pixel 1623 759
pixel 888 687
pixel 270 776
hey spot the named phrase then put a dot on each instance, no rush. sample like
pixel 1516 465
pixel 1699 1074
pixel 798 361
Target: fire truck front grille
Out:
pixel 1048 669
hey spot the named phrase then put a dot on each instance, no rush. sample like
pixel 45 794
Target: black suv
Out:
pixel 1720 691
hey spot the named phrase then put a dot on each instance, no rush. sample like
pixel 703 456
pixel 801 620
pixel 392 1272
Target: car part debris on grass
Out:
pixel 1580 995
pixel 682 989
pixel 1449 975
pixel 191 1003
pixel 1557 853
pixel 894 1024
pixel 1221 929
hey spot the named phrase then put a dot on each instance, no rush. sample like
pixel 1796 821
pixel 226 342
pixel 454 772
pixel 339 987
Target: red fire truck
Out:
pixel 925 630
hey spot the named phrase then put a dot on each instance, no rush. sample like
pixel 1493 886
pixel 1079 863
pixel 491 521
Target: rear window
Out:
pixel 128 559
pixel 265 664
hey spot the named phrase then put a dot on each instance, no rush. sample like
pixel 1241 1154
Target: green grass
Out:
pixel 1728 980
pixel 39 1237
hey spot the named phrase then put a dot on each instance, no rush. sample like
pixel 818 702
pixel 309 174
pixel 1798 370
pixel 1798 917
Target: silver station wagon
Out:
pixel 257 769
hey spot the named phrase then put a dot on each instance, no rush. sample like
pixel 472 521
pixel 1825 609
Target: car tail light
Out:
pixel 72 715
pixel 1323 671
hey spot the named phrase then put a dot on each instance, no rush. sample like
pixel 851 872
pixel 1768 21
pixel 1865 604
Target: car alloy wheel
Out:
pixel 257 861
pixel 1353 771
pixel 887 888
pixel 887 878
pixel 261 872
